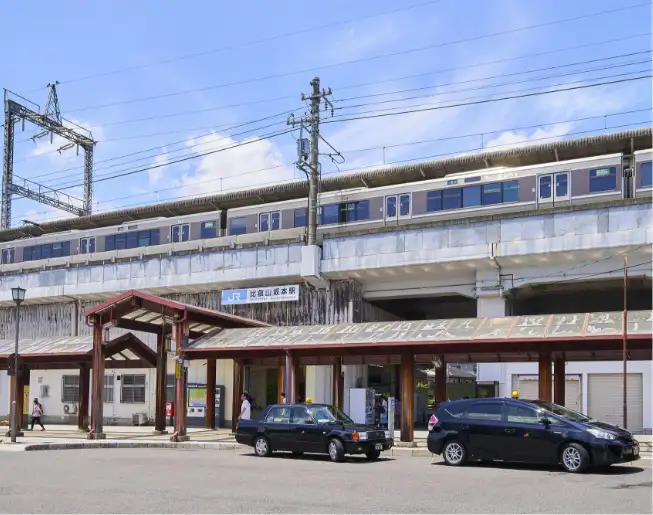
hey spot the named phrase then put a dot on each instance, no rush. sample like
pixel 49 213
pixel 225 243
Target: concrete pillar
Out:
pixel 490 303
pixel 97 403
pixel 210 393
pixel 559 380
pixel 318 383
pixel 545 377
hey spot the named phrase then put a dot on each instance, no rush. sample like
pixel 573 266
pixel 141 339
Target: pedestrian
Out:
pixel 37 411
pixel 245 408
pixel 283 398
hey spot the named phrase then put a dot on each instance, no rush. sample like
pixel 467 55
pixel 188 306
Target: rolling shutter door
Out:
pixel 528 388
pixel 605 399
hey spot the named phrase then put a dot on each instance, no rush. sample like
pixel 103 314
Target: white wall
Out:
pixel 4 394
pixel 503 372
pixel 318 383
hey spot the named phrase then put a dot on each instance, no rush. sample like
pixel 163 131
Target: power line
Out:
pixel 366 59
pixel 421 158
pixel 250 43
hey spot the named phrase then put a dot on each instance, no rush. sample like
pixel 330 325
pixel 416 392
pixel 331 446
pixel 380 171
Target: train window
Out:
pixel 510 191
pixel 390 207
pixel 238 226
pixel 8 256
pixel 433 201
pixel 86 245
pixel 645 171
pixel 404 205
pixel 452 198
pixel 155 234
pixel 144 239
pixel 562 185
pixel 275 220
pixel 362 210
pixel 492 194
pixel 300 217
pixel 471 196
pixel 264 222
pixel 355 211
pixel 545 186
pixel 46 251
pixel 603 179
pixel 330 214
pixel 209 229
pixel 132 240
pixel 179 233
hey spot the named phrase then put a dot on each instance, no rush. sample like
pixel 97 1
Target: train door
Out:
pixel 397 207
pixel 552 188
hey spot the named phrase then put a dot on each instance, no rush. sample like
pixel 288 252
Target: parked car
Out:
pixel 526 431
pixel 311 428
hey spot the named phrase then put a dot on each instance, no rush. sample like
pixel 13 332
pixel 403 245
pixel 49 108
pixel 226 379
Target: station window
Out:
pixel 238 226
pixel 603 179
pixel 645 171
pixel 471 196
pixel 70 389
pixel 170 388
pixel 434 201
pixel 132 389
pixel 86 245
pixel 8 256
pixel 209 229
pixel 180 233
pixel 108 388
pixel 300 217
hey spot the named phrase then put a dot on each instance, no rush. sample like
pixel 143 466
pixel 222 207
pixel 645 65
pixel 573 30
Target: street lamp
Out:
pixel 18 295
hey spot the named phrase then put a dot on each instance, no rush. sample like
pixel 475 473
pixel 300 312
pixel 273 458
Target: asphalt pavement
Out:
pixel 197 481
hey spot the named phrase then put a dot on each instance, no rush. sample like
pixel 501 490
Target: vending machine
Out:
pixel 361 405
pixel 196 408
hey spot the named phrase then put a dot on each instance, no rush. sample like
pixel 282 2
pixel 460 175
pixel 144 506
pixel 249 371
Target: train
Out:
pixel 456 196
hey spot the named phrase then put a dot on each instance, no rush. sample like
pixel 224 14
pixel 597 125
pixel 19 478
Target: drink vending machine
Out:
pixel 196 408
pixel 361 405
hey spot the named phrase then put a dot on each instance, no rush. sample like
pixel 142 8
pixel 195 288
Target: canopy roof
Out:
pixel 466 338
pixel 139 311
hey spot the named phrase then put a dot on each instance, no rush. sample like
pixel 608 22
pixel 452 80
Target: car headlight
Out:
pixel 388 435
pixel 603 435
pixel 362 436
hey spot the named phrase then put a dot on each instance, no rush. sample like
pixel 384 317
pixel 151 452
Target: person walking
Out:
pixel 245 408
pixel 283 398
pixel 37 412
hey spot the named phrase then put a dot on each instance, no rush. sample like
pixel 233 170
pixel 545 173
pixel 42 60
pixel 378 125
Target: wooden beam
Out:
pixel 559 380
pixel 407 398
pixel 337 396
pixel 545 378
pixel 281 389
pixel 181 378
pixel 161 383
pixel 211 366
pixel 441 381
pixel 97 403
pixel 239 386
pixel 84 394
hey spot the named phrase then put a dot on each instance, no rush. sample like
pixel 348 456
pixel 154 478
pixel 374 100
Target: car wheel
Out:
pixel 373 455
pixel 454 453
pixel 574 458
pixel 336 450
pixel 262 446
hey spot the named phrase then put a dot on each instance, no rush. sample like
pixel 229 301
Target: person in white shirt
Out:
pixel 245 408
pixel 37 411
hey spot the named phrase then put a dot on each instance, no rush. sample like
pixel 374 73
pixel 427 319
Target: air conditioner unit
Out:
pixel 139 419
pixel 70 409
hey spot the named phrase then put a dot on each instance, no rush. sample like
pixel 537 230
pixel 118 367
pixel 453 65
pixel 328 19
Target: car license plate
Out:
pixel 378 447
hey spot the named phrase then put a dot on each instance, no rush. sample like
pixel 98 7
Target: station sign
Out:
pixel 286 293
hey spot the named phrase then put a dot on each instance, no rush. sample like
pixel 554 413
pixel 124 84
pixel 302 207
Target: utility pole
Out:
pixel 312 123
pixel 625 346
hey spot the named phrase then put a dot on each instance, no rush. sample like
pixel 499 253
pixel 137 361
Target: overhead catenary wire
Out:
pixel 367 167
pixel 365 59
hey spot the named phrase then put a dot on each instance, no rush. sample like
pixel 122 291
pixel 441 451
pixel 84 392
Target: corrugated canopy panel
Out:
pixel 573 326
pixel 54 346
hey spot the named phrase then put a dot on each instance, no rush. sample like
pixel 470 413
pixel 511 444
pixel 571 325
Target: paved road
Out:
pixel 177 481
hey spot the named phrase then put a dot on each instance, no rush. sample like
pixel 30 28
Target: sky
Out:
pixel 156 82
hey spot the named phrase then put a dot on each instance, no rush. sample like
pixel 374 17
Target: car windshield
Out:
pixel 326 414
pixel 563 412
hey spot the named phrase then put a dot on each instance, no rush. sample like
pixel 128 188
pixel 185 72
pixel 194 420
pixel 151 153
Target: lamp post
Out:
pixel 18 295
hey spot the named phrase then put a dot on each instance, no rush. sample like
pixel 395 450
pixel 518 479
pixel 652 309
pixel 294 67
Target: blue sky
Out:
pixel 82 39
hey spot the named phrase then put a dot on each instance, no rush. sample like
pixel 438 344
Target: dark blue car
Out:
pixel 528 432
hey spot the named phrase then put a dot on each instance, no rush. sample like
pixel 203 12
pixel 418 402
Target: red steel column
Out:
pixel 161 383
pixel 211 369
pixel 97 403
pixel 559 380
pixel 84 394
pixel 545 382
